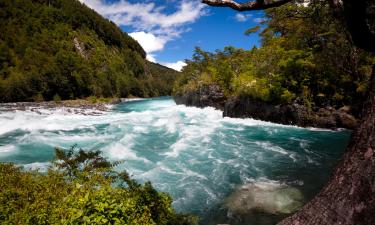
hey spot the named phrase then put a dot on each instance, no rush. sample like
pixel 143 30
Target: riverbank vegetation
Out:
pixel 306 56
pixel 82 188
pixel 61 49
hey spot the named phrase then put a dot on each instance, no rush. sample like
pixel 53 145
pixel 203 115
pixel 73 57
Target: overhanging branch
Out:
pixel 252 5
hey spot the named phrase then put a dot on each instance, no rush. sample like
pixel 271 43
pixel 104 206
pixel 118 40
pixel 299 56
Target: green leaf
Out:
pixel 252 30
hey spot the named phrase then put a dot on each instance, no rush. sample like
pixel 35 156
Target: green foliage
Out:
pixel 287 96
pixel 252 30
pixel 57 98
pixel 82 188
pixel 61 47
pixel 306 55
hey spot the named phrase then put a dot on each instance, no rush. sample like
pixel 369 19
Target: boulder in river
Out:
pixel 267 197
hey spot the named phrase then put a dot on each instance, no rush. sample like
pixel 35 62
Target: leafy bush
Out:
pixel 82 188
pixel 57 98
pixel 287 96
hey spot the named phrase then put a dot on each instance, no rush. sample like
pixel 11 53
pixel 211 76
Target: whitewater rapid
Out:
pixel 194 154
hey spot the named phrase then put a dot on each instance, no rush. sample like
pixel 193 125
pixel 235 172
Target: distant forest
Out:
pixel 61 49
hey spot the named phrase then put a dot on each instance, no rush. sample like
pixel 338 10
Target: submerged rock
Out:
pixel 264 197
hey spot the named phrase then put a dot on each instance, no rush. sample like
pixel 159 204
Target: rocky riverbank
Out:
pixel 80 106
pixel 288 114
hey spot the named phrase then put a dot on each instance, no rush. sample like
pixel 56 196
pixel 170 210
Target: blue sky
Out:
pixel 169 30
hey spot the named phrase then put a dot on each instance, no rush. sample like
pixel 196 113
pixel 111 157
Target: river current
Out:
pixel 226 170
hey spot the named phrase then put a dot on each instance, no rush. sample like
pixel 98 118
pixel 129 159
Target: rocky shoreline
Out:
pixel 81 106
pixel 288 114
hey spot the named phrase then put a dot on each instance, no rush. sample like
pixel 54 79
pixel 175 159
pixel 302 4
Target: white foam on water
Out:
pixel 30 121
pixel 177 147
pixel 197 127
pixel 252 122
pixel 132 99
pixel 270 147
pixel 7 148
pixel 40 166
pixel 260 123
pixel 122 150
pixel 190 173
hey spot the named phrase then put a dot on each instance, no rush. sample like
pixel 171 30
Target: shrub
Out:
pixel 57 98
pixel 287 96
pixel 38 98
pixel 82 188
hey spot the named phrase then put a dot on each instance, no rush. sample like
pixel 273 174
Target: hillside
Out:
pixel 64 50
pixel 305 68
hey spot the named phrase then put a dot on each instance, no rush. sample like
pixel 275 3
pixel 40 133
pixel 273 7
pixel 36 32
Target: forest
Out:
pixel 61 49
pixel 306 56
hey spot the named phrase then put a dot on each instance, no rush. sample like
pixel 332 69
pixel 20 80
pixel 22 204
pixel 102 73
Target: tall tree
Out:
pixel 349 196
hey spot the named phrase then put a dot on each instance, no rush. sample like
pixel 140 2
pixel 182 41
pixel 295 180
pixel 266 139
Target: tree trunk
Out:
pixel 349 196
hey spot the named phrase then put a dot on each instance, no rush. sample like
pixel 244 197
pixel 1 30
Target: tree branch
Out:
pixel 252 5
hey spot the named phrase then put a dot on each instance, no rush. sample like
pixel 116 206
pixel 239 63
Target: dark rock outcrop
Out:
pixel 288 114
pixel 208 95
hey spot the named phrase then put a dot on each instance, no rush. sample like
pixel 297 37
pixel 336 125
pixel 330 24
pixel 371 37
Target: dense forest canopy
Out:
pixel 306 56
pixel 63 49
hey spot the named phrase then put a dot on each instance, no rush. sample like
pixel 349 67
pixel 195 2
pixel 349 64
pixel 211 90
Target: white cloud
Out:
pixel 242 17
pixel 149 42
pixel 259 20
pixel 147 16
pixel 151 58
pixel 153 27
pixel 176 65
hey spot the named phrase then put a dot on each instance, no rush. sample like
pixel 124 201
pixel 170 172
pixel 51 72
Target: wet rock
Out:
pixel 83 107
pixel 345 120
pixel 288 114
pixel 207 95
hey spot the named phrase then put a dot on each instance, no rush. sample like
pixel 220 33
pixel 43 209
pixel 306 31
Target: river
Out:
pixel 226 170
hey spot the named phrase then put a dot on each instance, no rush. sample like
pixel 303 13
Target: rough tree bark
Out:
pixel 349 196
pixel 252 5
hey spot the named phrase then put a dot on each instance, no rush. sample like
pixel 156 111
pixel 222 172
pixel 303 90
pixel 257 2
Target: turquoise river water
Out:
pixel 226 170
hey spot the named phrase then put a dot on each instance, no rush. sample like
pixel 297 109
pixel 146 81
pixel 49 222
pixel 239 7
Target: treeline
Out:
pixel 62 49
pixel 306 57
pixel 82 188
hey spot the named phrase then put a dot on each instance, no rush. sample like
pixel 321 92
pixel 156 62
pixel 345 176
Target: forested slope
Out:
pixel 62 49
pixel 306 57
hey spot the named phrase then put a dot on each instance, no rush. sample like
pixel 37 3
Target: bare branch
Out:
pixel 252 5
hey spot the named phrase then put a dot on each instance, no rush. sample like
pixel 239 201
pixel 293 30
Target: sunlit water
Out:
pixel 237 171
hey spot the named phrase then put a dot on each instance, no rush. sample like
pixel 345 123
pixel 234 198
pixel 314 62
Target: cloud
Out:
pixel 259 20
pixel 151 58
pixel 153 26
pixel 149 42
pixel 242 17
pixel 176 65
pixel 147 16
